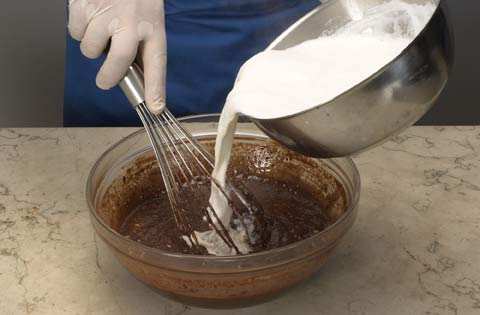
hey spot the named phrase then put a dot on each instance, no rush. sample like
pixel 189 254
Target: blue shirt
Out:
pixel 208 41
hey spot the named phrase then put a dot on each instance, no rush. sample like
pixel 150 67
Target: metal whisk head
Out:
pixel 181 159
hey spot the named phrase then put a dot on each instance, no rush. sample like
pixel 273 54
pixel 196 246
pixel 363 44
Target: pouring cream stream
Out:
pixel 279 83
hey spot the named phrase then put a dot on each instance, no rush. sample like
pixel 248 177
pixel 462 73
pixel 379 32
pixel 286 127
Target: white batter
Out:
pixel 276 84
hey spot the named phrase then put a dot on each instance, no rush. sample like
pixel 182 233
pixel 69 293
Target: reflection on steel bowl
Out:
pixel 383 105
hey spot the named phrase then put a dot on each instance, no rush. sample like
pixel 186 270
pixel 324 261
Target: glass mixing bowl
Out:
pixel 211 281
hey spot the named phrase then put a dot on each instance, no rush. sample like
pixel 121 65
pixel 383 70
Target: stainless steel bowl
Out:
pixel 391 100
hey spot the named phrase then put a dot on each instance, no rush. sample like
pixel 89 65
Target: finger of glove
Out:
pixel 122 53
pixel 96 38
pixel 154 60
pixel 77 20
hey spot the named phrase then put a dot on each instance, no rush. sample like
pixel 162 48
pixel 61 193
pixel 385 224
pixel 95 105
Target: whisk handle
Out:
pixel 133 85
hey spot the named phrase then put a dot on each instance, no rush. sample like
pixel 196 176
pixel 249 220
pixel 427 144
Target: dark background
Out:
pixel 32 45
pixel 458 103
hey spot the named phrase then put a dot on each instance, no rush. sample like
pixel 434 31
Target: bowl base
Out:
pixel 219 303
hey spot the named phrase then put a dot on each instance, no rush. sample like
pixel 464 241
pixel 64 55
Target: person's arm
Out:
pixel 135 27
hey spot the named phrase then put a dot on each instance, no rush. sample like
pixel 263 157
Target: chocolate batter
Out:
pixel 297 199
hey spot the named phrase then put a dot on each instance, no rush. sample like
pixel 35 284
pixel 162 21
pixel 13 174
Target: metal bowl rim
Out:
pixel 360 84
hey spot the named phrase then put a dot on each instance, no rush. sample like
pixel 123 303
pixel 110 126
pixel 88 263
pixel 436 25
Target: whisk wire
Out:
pixel 173 147
pixel 181 159
pixel 204 154
pixel 182 134
pixel 207 157
pixel 158 140
pixel 183 147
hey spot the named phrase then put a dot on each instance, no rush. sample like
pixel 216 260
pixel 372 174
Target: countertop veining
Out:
pixel 415 248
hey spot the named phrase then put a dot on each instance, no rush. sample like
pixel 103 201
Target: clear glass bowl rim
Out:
pixel 218 261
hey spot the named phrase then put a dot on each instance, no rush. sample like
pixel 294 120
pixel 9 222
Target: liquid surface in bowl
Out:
pixel 299 198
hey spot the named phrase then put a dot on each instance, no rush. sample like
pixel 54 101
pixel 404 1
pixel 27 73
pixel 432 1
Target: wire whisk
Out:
pixel 181 159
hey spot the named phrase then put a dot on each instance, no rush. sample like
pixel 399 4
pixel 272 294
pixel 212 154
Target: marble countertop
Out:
pixel 415 248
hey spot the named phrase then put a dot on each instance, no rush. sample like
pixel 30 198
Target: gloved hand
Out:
pixel 133 26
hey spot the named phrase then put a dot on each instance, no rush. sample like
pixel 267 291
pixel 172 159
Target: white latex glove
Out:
pixel 133 26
